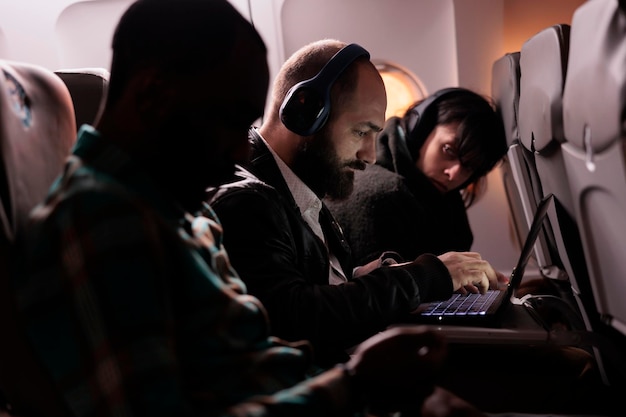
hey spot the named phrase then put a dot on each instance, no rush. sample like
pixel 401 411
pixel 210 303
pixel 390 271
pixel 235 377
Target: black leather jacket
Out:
pixel 286 265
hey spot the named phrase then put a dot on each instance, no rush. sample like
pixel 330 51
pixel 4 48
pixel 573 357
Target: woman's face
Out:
pixel 439 160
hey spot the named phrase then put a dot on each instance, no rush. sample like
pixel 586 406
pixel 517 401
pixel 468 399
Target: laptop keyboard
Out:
pixel 459 304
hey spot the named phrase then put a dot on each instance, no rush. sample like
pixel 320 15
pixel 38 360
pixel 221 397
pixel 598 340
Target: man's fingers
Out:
pixel 469 270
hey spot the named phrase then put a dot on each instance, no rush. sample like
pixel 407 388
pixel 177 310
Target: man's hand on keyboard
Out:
pixel 471 273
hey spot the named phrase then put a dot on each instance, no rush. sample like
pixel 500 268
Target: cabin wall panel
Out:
pixel 418 35
pixel 84 30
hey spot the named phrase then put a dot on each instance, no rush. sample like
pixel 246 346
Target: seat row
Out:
pixel 39 115
pixel 562 98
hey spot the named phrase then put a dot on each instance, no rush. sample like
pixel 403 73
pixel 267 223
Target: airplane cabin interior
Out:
pixel 556 71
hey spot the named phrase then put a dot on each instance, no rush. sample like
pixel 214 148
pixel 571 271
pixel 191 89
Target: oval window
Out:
pixel 403 87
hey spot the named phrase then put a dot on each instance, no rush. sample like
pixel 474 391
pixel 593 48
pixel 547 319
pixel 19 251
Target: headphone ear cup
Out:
pixel 426 109
pixel 306 106
pixel 304 110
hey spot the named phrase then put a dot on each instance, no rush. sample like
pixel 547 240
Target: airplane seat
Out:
pixel 505 93
pixel 543 63
pixel 594 153
pixel 37 131
pixel 519 174
pixel 544 66
pixel 88 88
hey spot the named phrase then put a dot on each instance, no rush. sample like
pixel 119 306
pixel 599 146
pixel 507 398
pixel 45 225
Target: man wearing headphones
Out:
pixel 328 105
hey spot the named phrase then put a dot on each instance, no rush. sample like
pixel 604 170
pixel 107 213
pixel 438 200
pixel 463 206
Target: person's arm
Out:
pixel 128 320
pixel 260 241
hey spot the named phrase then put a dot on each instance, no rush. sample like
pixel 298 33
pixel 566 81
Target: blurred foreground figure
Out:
pixel 128 297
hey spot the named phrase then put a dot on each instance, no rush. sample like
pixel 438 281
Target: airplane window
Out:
pixel 403 87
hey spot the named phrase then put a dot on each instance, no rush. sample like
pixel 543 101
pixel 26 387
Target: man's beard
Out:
pixel 319 167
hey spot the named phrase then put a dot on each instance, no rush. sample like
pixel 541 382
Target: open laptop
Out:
pixel 485 309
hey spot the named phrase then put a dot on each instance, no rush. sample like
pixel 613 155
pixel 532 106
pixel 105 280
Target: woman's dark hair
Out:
pixel 481 141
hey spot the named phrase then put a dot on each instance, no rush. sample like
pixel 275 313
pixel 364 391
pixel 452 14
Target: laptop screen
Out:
pixel 518 271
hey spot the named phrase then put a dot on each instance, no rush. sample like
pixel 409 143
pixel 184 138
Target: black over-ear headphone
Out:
pixel 422 118
pixel 306 106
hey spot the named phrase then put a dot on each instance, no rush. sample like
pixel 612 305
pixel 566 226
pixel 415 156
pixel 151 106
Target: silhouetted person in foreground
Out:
pixel 128 297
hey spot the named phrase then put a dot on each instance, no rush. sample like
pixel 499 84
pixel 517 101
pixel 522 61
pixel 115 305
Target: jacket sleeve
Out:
pixel 119 336
pixel 259 239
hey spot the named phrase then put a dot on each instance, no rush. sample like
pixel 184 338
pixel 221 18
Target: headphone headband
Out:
pixel 422 118
pixel 418 112
pixel 306 106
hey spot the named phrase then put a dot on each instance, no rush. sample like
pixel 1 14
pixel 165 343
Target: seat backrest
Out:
pixel 544 66
pixel 505 77
pixel 594 114
pixel 505 93
pixel 518 171
pixel 37 131
pixel 594 153
pixel 543 63
pixel 88 88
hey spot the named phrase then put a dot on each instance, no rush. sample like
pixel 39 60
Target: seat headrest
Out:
pixel 505 92
pixel 594 97
pixel 37 131
pixel 88 88
pixel 543 65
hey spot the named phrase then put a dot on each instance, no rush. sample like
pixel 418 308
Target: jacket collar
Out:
pixel 263 166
